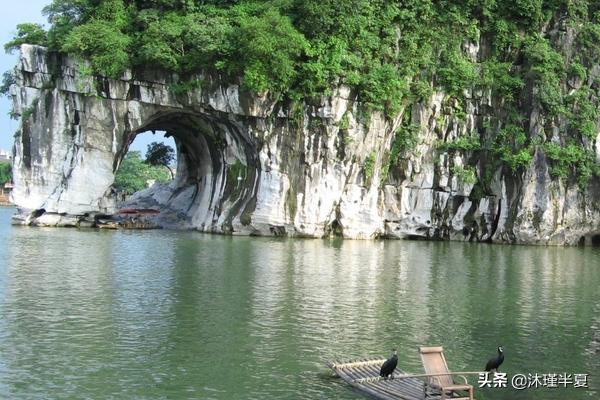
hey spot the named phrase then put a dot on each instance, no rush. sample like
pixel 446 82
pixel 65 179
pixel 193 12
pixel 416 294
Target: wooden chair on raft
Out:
pixel 440 378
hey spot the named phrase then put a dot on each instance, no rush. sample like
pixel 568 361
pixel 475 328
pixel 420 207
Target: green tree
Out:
pixel 5 173
pixel 134 172
pixel 162 42
pixel 75 11
pixel 102 39
pixel 105 45
pixel 268 49
pixel 27 33
pixel 159 154
pixel 65 15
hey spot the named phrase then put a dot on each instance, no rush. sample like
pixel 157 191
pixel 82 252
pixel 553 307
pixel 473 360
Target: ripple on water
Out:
pixel 153 315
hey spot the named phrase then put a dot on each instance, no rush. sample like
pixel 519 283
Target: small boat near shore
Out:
pixel 129 218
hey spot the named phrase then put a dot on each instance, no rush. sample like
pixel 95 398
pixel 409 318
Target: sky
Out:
pixel 11 15
pixel 31 11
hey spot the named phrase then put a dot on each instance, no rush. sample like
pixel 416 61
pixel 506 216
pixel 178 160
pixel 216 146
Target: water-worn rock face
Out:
pixel 253 165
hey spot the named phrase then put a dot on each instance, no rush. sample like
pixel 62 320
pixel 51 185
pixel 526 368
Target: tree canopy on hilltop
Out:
pixel 390 53
pixel 303 48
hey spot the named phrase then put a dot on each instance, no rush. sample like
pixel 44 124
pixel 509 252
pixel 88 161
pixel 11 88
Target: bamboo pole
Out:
pixel 379 378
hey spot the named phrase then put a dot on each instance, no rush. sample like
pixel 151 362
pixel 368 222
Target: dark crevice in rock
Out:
pixel 38 213
pixel 134 92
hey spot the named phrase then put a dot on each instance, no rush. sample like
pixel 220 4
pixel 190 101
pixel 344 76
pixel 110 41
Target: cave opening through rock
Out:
pixel 214 174
pixel 595 240
pixel 151 158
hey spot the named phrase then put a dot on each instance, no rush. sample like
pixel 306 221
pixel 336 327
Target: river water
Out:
pixel 183 315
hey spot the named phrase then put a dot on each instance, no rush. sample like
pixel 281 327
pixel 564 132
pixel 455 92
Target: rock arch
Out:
pixel 313 169
pixel 217 172
pixel 245 166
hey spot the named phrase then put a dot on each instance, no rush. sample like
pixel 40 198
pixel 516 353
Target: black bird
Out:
pixel 494 363
pixel 389 365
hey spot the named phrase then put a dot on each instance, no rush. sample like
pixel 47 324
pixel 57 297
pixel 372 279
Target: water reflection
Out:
pixel 184 315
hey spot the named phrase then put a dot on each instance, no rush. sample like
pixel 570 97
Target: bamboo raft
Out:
pixel 363 375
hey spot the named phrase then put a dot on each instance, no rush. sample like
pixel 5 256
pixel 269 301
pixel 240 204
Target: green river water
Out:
pixel 88 314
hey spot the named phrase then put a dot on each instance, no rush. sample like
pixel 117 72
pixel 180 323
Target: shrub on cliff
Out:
pixel 8 79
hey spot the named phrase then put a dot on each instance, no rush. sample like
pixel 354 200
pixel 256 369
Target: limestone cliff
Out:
pixel 255 165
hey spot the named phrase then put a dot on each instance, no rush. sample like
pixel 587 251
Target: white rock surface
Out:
pixel 302 174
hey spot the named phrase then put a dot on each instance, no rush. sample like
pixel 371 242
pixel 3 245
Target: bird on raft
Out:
pixel 495 362
pixel 389 365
